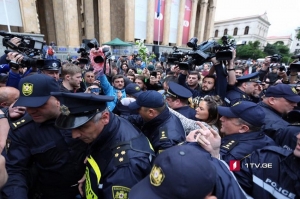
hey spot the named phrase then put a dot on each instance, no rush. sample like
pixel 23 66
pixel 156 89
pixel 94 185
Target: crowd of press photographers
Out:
pixel 223 109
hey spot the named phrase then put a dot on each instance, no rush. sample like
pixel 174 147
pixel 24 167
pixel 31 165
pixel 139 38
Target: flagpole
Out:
pixel 7 21
pixel 158 29
pixel 158 17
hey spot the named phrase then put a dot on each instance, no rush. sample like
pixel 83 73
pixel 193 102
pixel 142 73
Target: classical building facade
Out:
pixel 287 40
pixel 67 22
pixel 295 47
pixel 250 28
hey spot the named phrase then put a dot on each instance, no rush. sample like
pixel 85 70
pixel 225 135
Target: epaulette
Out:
pixel 20 122
pixel 227 100
pixel 229 145
pixel 163 133
pixel 140 144
pixel 120 153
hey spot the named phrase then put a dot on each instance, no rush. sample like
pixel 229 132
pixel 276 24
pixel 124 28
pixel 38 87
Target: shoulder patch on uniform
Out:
pixel 120 192
pixel 229 145
pixel 20 122
pixel 163 133
pixel 120 154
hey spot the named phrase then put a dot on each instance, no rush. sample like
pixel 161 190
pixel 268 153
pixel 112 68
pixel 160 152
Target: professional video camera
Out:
pixel 276 59
pixel 295 67
pixel 224 51
pixel 98 55
pixel 176 56
pixel 28 47
pixel 200 54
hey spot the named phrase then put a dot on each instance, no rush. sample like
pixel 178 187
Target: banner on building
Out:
pixel 159 20
pixel 186 22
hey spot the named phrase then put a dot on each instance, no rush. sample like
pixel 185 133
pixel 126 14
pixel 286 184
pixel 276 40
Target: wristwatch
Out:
pixel 2 116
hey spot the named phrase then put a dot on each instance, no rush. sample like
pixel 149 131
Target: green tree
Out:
pixel 250 50
pixel 298 34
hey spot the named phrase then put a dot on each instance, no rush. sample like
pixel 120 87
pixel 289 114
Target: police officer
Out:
pixel 41 158
pixel 118 155
pixel 271 172
pixel 162 128
pixel 177 99
pixel 241 126
pixel 279 100
pixel 243 90
pixel 185 172
pixel 51 67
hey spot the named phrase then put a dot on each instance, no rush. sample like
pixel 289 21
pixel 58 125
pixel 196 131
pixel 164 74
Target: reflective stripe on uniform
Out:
pixel 89 192
pixel 268 188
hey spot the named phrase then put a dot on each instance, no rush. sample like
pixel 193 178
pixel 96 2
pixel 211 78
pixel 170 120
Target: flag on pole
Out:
pixel 158 8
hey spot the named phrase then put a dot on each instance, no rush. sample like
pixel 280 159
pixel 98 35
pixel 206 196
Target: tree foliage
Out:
pixel 250 50
pixel 298 34
pixel 279 48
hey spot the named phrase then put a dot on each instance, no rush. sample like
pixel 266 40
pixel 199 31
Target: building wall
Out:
pixel 295 47
pixel 68 22
pixel 258 28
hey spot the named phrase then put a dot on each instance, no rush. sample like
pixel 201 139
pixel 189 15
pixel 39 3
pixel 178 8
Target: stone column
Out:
pixel 89 19
pixel 60 29
pixel 29 16
pixel 104 21
pixel 48 13
pixel 167 15
pixel 202 20
pixel 193 18
pixel 129 20
pixel 211 21
pixel 71 23
pixel 150 21
pixel 180 23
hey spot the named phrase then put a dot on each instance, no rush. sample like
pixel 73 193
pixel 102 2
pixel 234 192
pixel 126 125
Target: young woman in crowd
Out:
pixel 206 112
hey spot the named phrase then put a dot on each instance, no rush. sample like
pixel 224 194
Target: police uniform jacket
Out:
pixel 163 131
pixel 235 95
pixel 57 158
pixel 272 118
pixel 240 145
pixel 282 180
pixel 187 112
pixel 117 160
pixel 226 184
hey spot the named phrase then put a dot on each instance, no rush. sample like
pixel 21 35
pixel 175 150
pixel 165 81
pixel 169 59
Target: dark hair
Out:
pixel 118 76
pixel 212 103
pixel 195 73
pixel 170 79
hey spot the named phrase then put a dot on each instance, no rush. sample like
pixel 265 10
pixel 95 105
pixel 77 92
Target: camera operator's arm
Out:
pixel 265 68
pixel 293 75
pixel 4 128
pixel 231 71
pixel 221 81
pixel 14 76
pixel 283 76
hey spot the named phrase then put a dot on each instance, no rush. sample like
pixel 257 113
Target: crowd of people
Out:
pixel 148 130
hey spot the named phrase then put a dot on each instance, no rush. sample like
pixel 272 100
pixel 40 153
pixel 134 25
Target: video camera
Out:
pixel 176 56
pixel 276 59
pixel 28 47
pixel 295 67
pixel 200 54
pixel 84 51
pixel 224 51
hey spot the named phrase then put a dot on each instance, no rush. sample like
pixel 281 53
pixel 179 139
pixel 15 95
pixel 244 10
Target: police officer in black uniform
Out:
pixel 274 175
pixel 161 127
pixel 118 155
pixel 51 67
pixel 243 90
pixel 177 98
pixel 41 158
pixel 241 126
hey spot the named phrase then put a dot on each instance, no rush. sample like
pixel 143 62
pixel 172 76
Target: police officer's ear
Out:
pixel 104 117
pixel 244 128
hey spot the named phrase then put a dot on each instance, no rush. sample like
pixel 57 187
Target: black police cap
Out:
pixel 79 108
pixel 253 77
pixel 178 91
pixel 51 64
